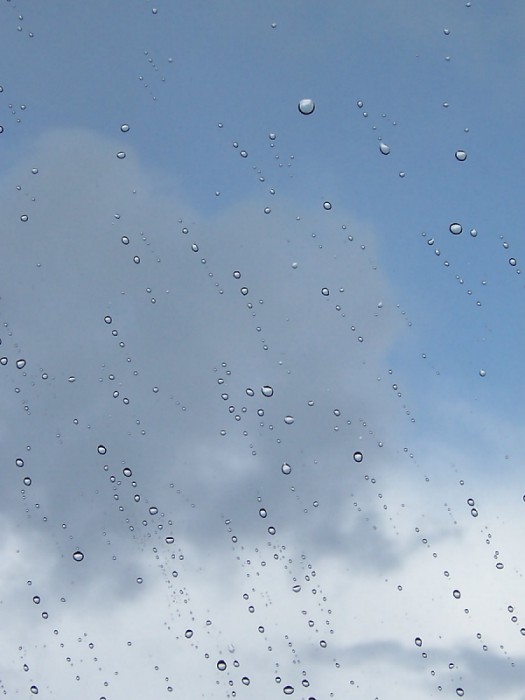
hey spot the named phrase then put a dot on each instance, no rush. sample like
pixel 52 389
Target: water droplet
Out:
pixel 418 641
pixel 289 420
pixel 244 291
pixel 384 148
pixel 136 259
pixel 325 291
pixel 461 155
pixel 460 692
pixel 20 364
pixel 360 104
pixel 473 232
pixel 107 319
pixel 306 106
pixel 327 206
pixel 24 217
pixel 124 127
pixel 170 540
pixel 512 261
pixel 245 680
pixel 288 690
pixel 127 471
pixel 1 129
pixel 456 594
pixel 20 463
pixel 34 689
pixel 34 171
pixel 237 274
pixel 267 210
pixel 78 555
pixel 286 468
pixel 267 391
pixel 121 155
pixel 482 372
pixel 455 228
pixel 272 136
pixel 153 510
pixel 101 449
pixel 358 456
pixel 125 240
pixel 221 665
pixel 244 154
pixel 263 512
pixel 250 392
pixel 27 481
pixel 195 247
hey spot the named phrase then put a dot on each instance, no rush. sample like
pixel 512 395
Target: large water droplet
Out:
pixel 358 456
pixel 384 148
pixel 288 690
pixel 306 106
pixel 327 206
pixel 121 155
pixel 325 291
pixel 456 594
pixel 482 372
pixel 263 512
pixel 101 449
pixel 20 364
pixel 455 228
pixel 78 555
pixel 221 665
pixel 124 127
pixel 418 641
pixel 289 420
pixel 267 391
pixel 461 155
pixel 286 468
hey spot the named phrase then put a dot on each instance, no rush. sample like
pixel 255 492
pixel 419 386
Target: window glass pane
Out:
pixel 261 348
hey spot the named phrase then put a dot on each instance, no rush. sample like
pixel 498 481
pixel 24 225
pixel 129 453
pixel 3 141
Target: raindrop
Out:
pixel 245 680
pixel 153 510
pixel 358 456
pixel 455 228
pixel 250 392
pixel 360 104
pixel 267 391
pixel 286 468
pixel 244 154
pixel 20 364
pixel 244 291
pixel 306 106
pixel 384 148
pixel 461 155
pixel 136 259
pixel 221 665
pixel 289 420
pixel 20 463
pixel 101 449
pixel 127 471
pixel 460 692
pixel 456 594
pixel 482 372
pixel 27 481
pixel 288 690
pixel 263 512
pixel 327 206
pixel 107 319
pixel 24 217
pixel 512 261
pixel 473 232
pixel 125 240
pixel 121 155
pixel 170 540
pixel 418 641
pixel 267 210
pixel 34 689
pixel 188 634
pixel 124 127
pixel 325 291
pixel 78 555
pixel 474 512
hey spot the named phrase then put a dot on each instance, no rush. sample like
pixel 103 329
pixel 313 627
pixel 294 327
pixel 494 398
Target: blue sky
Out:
pixel 119 293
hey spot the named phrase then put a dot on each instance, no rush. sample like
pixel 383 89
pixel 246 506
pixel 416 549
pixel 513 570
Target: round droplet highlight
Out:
pixel 306 106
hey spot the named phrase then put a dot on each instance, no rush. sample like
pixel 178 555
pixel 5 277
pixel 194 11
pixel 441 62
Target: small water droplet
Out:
pixel 136 259
pixel 384 148
pixel 306 106
pixel 418 641
pixel 221 665
pixel 78 555
pixel 358 456
pixel 482 372
pixel 272 136
pixel 460 692
pixel 325 291
pixel 20 364
pixel 446 31
pixel 327 206
pixel 125 240
pixel 360 104
pixel 124 127
pixel 456 594
pixel 101 449
pixel 244 154
pixel 244 291
pixel 461 155
pixel 263 512
pixel 245 680
pixel 121 155
pixel 288 690
pixel 27 481
pixel 289 420
pixel 473 232
pixel 127 471
pixel 267 391
pixel 286 468
pixel 34 689
pixel 267 210
pixel 455 228
pixel 107 319
pixel 20 463
pixel 512 261
pixel 153 510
